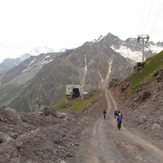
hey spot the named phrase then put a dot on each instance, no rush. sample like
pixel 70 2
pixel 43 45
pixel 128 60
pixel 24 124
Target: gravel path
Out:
pixel 105 144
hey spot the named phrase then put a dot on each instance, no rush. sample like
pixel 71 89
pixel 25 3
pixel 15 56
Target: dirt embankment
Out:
pixel 51 137
pixel 102 142
pixel 143 110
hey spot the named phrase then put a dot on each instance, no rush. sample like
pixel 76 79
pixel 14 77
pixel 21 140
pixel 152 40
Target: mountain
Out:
pixel 92 65
pixel 36 137
pixel 130 48
pixel 42 80
pixel 9 63
pixel 12 62
pixel 16 79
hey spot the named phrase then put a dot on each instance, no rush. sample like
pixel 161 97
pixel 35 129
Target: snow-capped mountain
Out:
pixel 39 50
pixel 9 63
pixel 130 48
pixel 25 70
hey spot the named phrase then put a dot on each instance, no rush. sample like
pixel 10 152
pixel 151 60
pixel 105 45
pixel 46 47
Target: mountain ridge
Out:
pixel 42 80
pixel 128 48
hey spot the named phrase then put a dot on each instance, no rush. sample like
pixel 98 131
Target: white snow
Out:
pixel 47 56
pixel 32 61
pixel 127 53
pixel 110 67
pixel 24 70
pixel 38 50
pixel 155 49
pixel 136 55
pixel 49 61
pixel 85 69
pixel 100 76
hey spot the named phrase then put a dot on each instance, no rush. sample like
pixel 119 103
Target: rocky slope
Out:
pixel 45 136
pixel 48 136
pixel 40 80
pixel 92 66
pixel 39 137
pixel 141 100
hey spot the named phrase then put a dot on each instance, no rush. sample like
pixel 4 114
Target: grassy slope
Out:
pixel 78 104
pixel 152 64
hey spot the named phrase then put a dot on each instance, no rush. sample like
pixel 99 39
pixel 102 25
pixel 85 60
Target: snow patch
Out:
pixel 100 76
pixel 32 62
pixel 110 67
pixel 128 53
pixel 47 56
pixel 155 49
pixel 85 69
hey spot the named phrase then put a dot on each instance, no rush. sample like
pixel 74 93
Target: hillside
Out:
pixel 47 135
pixel 16 79
pixel 80 134
pixel 91 65
pixel 41 80
pixel 140 97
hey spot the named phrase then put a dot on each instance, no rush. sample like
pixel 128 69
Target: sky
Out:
pixel 59 24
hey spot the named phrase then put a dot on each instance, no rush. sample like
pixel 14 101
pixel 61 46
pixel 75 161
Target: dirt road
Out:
pixel 105 144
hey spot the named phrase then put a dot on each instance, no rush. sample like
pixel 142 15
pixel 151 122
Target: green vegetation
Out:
pixel 7 97
pixel 77 104
pixel 152 64
pixel 5 100
pixel 22 106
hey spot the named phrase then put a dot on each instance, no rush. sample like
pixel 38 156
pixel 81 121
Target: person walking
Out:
pixel 104 113
pixel 119 121
pixel 115 114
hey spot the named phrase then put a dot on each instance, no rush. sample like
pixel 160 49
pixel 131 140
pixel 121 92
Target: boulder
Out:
pixel 10 115
pixel 156 126
pixel 145 95
pixel 140 120
pixel 48 111
pixel 5 138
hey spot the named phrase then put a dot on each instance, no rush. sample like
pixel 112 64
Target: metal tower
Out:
pixel 144 39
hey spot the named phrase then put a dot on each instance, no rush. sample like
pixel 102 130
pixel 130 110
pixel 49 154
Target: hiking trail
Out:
pixel 105 144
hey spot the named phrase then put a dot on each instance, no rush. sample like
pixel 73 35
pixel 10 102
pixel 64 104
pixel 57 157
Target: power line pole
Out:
pixel 144 39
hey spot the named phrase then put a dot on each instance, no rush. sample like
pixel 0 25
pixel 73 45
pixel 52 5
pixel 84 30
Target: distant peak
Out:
pixel 38 50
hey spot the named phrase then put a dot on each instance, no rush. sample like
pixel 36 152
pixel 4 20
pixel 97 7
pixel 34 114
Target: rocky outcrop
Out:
pixel 35 137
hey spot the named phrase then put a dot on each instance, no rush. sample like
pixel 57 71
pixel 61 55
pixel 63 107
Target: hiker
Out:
pixel 104 113
pixel 119 120
pixel 115 114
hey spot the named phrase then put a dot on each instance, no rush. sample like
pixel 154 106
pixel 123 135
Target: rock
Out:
pixel 145 95
pixel 48 111
pixel 10 115
pixel 69 155
pixel 139 65
pixel 160 76
pixel 156 126
pixel 141 119
pixel 5 138
pixel 57 140
pixel 63 161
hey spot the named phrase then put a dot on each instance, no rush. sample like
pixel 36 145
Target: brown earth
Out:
pixel 103 143
pixel 51 137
